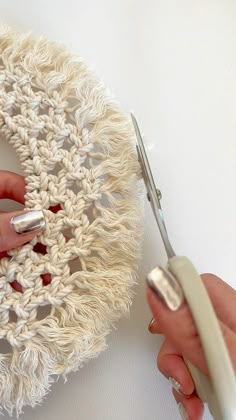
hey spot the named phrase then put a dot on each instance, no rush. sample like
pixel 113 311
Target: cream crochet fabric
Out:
pixel 78 157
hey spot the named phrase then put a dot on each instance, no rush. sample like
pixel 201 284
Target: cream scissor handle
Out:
pixel 220 392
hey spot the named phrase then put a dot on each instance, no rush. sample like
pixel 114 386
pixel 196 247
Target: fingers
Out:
pixel 12 186
pixel 179 328
pixel 183 339
pixel 17 228
pixel 220 294
pixel 190 408
pixel 171 364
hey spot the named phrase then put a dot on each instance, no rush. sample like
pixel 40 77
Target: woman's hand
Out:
pixel 181 339
pixel 19 227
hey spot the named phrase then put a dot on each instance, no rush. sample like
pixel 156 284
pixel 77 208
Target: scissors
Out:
pixel 219 392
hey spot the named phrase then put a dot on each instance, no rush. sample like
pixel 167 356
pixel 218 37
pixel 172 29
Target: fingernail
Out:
pixel 150 326
pixel 182 412
pixel 166 287
pixel 175 384
pixel 31 221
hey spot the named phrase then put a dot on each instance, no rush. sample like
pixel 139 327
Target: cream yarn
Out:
pixel 78 156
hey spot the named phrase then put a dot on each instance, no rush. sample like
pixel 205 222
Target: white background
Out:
pixel 174 64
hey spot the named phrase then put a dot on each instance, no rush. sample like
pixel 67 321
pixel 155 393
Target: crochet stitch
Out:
pixel 78 157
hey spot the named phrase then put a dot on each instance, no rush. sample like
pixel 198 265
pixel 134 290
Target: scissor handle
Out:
pixel 220 391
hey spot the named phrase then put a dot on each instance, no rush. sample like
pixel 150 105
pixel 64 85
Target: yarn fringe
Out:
pixel 93 299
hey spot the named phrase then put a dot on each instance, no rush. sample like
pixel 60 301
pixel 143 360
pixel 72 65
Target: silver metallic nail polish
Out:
pixel 175 384
pixel 166 287
pixel 182 412
pixel 31 221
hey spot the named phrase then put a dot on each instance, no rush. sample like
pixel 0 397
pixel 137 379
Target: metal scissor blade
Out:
pixel 153 194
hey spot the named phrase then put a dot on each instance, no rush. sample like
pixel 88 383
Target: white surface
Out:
pixel 174 64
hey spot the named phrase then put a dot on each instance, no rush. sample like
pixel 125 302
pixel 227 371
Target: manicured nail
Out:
pixel 182 412
pixel 175 384
pixel 150 326
pixel 31 221
pixel 166 287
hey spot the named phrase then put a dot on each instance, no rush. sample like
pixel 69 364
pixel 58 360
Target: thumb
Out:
pixel 17 228
pixel 179 328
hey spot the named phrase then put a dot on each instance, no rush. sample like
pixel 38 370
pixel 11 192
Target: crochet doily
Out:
pixel 78 156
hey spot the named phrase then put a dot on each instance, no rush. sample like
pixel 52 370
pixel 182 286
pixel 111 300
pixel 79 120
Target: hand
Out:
pixel 181 339
pixel 18 227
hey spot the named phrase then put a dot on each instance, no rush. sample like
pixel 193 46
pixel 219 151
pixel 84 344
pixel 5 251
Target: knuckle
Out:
pixel 189 331
pixel 185 325
pixel 208 277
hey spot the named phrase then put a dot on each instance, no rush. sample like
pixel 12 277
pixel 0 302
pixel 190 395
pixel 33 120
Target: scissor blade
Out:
pixel 153 194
